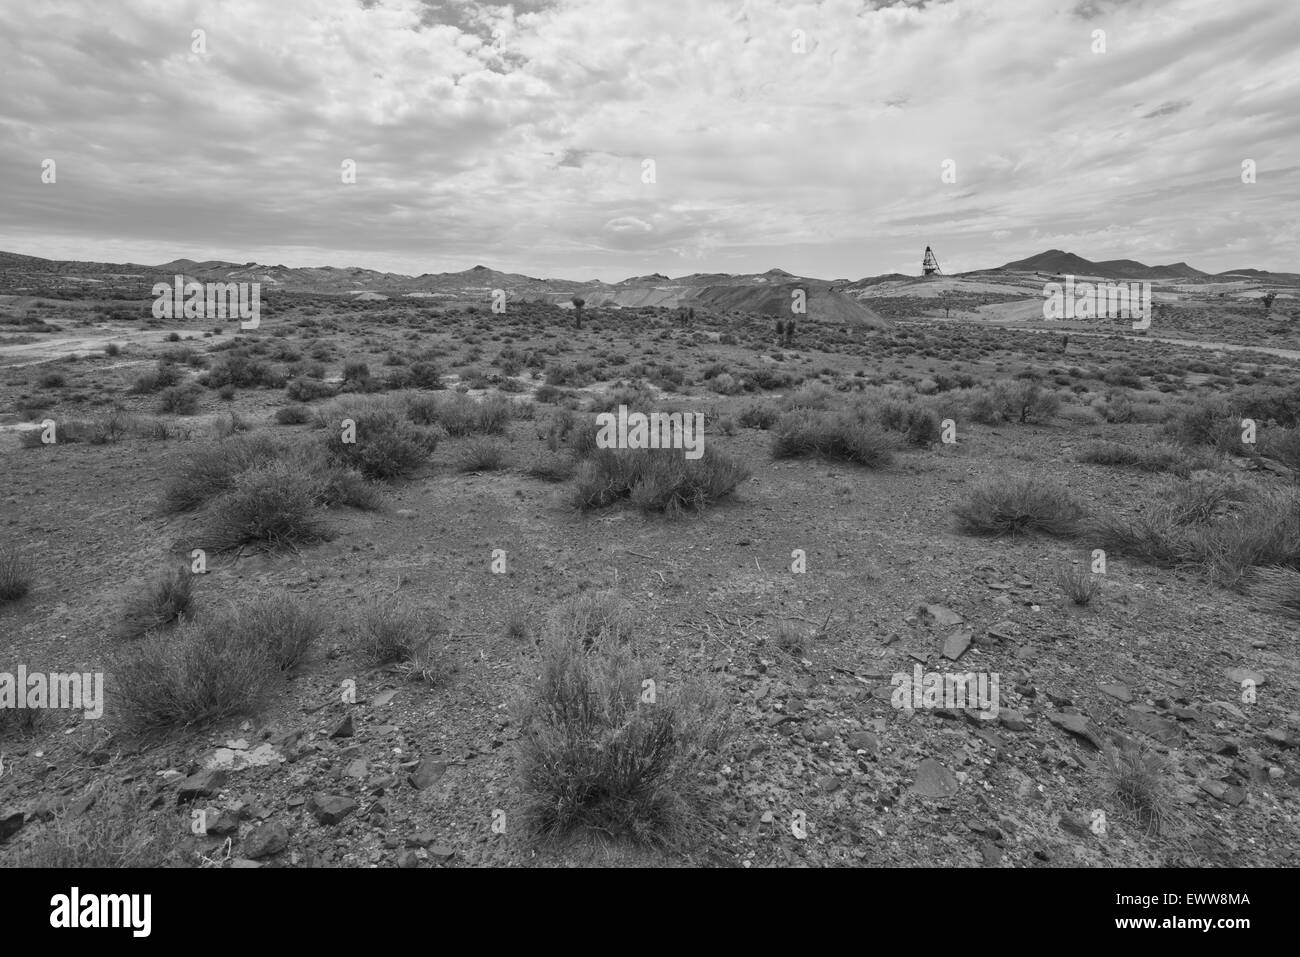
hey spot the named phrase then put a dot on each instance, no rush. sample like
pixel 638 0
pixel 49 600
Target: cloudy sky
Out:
pixel 813 136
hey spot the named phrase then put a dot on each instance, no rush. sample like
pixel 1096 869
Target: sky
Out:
pixel 602 139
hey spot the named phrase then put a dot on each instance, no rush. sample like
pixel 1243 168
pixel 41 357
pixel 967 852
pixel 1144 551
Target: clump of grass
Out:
pixel 286 627
pixel 593 756
pixel 270 506
pixel 1016 505
pixel 552 467
pixel 1080 585
pixel 1160 457
pixel 207 472
pixel 15 575
pixel 386 446
pixel 517 624
pixel 839 436
pixel 203 670
pixel 180 399
pixel 482 455
pixel 115 832
pixel 292 415
pixel 1137 781
pixel 1278 589
pixel 393 630
pixel 164 601
pixel 757 417
pixel 594 617
pixel 656 480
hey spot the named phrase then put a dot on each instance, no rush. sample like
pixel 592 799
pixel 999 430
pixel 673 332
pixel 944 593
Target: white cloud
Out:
pixel 515 135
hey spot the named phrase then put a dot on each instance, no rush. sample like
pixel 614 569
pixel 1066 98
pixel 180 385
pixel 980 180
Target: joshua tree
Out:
pixel 780 330
pixel 1268 302
pixel 690 314
pixel 789 332
pixel 578 303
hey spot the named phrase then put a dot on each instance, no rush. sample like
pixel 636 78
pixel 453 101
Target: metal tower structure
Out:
pixel 930 265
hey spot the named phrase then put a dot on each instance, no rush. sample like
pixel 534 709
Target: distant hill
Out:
pixel 1059 262
pixel 768 293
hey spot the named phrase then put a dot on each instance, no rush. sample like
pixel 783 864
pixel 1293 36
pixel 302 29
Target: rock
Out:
pixel 296 800
pixel 383 698
pixel 828 783
pixel 1228 708
pixel 441 852
pixel 408 859
pixel 943 617
pixel 1075 825
pixel 1240 675
pixel 426 773
pixel 243 862
pixel 1012 720
pixel 265 840
pixel 1228 794
pixel 1002 630
pixel 863 741
pixel 1077 725
pixel 223 823
pixel 1117 691
pixel 820 734
pixel 933 780
pixel 331 808
pixel 357 769
pixel 345 729
pixel 955 645
pixel 767 818
pixel 1280 737
pixel 1162 729
pixel 203 784
pixel 991 853
pixel 10 824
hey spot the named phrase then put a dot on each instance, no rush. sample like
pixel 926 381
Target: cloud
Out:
pixel 514 134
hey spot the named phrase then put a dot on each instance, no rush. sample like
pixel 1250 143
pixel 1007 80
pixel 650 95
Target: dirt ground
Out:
pixel 822 769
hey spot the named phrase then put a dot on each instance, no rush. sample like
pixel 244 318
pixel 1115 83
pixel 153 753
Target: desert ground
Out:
pixel 469 637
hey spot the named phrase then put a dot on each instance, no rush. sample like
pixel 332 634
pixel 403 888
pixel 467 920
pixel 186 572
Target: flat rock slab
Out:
pixel 943 617
pixel 1239 676
pixel 233 759
pixel 1162 729
pixel 955 645
pixel 1227 793
pixel 1118 692
pixel 1077 725
pixel 331 808
pixel 933 780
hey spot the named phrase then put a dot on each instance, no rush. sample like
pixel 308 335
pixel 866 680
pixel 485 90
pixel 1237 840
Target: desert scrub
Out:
pixel 393 630
pixel 831 435
pixel 594 617
pixel 15 575
pixel 1157 457
pixel 384 445
pixel 655 480
pixel 115 831
pixel 594 756
pixel 160 603
pixel 270 506
pixel 1014 505
pixel 203 670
